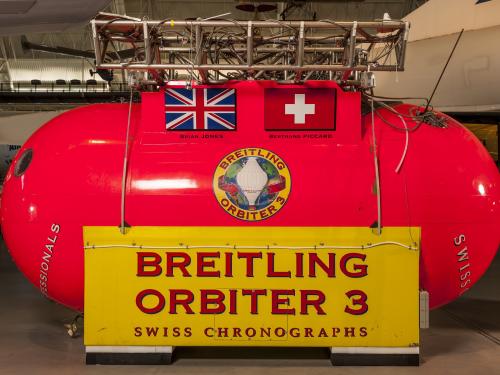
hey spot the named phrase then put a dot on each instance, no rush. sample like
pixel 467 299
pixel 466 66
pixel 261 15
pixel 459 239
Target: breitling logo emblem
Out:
pixel 252 184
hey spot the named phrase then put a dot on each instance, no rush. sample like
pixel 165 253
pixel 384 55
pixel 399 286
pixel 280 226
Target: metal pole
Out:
pixel 7 65
pixel 221 67
pixel 299 53
pixel 352 45
pixel 97 45
pixel 402 51
pixel 147 44
pixel 199 54
pixel 250 45
pixel 341 25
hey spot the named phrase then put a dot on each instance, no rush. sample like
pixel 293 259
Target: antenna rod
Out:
pixel 444 70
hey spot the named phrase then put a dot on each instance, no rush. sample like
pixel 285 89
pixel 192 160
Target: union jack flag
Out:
pixel 200 109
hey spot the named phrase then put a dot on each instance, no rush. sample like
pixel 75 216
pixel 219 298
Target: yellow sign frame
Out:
pixel 113 261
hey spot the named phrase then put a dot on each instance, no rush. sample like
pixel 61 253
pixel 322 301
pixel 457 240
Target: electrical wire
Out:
pixel 419 119
pixel 445 67
pixel 394 98
pixel 427 117
pixel 391 109
pixel 255 247
pixel 377 174
pixel 403 156
pixel 396 127
pixel 125 166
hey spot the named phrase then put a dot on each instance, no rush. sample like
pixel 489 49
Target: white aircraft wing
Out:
pixel 33 16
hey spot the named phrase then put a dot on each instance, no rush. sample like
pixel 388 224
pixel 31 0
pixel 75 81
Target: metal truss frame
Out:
pixel 216 50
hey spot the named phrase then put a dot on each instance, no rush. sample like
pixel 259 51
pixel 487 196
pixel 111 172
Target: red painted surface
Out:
pixel 448 185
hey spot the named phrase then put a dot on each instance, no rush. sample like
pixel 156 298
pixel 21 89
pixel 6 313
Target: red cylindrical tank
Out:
pixel 448 185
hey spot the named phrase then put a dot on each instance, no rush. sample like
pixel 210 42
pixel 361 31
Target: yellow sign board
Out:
pixel 259 286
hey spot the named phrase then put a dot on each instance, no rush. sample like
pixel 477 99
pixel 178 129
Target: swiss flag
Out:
pixel 299 109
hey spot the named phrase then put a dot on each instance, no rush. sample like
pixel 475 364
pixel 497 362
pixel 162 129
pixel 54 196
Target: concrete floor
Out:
pixel 464 338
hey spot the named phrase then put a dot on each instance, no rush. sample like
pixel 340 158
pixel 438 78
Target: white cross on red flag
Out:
pixel 299 109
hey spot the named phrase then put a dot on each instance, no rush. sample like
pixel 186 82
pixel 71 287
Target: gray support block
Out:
pixel 127 355
pixel 375 356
